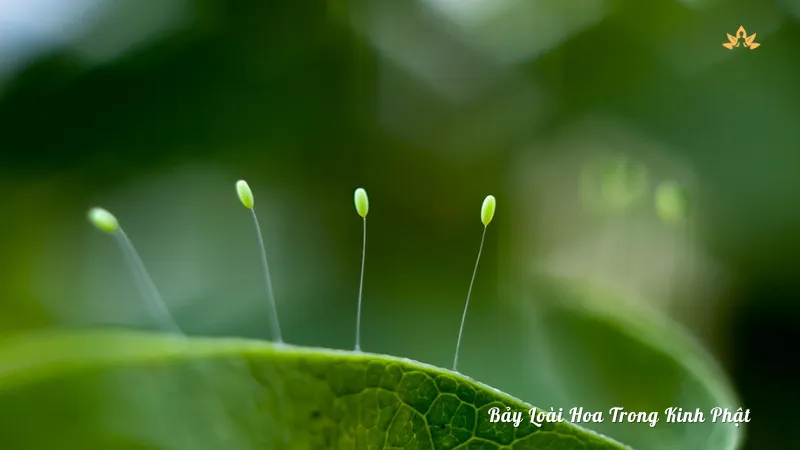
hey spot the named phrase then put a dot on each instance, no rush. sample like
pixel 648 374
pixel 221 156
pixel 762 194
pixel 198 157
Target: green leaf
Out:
pixel 592 348
pixel 131 390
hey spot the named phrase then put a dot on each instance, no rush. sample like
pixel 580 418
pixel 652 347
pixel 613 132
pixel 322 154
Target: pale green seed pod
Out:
pixel 362 202
pixel 245 194
pixel 671 202
pixel 487 210
pixel 103 220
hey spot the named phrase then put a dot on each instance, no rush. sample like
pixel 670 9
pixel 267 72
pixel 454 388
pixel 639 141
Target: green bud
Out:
pixel 245 194
pixel 362 202
pixel 103 220
pixel 487 210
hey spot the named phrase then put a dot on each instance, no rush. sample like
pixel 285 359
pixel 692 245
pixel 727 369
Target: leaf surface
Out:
pixel 137 390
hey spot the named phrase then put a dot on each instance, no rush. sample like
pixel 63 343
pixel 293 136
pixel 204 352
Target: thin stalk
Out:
pixel 361 287
pixel 144 282
pixel 276 328
pixel 466 305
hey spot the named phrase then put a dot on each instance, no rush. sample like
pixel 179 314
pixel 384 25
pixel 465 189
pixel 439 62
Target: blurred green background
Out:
pixel 153 109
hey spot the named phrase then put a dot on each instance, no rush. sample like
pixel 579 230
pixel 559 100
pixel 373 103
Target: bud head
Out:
pixel 103 220
pixel 245 194
pixel 362 202
pixel 487 210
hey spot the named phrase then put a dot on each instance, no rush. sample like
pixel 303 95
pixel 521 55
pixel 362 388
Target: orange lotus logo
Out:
pixel 741 40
